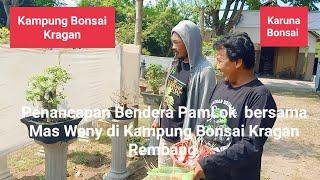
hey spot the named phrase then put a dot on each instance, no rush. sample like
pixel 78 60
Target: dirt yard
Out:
pixel 287 158
pixel 296 157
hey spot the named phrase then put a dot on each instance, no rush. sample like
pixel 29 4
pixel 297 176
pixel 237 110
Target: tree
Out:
pixel 159 21
pixel 202 21
pixel 125 17
pixel 3 16
pixel 138 25
pixel 23 3
pixel 253 4
pixel 224 24
pixel 311 4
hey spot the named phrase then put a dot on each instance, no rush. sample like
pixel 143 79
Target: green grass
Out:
pixel 42 177
pixel 104 138
pixel 26 159
pixel 97 153
pixel 79 157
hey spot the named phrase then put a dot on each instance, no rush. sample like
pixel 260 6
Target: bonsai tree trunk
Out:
pixel 49 106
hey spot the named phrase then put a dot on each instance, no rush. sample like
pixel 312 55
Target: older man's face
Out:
pixel 226 66
pixel 178 47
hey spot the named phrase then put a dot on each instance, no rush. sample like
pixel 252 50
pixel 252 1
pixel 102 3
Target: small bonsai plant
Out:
pixel 122 98
pixel 155 77
pixel 44 88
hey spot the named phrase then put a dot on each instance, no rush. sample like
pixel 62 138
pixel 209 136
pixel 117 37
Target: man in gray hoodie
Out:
pixel 190 82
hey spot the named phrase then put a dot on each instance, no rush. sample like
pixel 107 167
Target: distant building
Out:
pixel 283 62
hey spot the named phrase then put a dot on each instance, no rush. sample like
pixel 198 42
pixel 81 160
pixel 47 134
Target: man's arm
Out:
pixel 249 148
pixel 199 93
pixel 207 85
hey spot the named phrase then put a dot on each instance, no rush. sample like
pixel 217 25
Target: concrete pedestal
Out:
pixel 55 160
pixel 4 171
pixel 153 141
pixel 119 153
pixel 41 152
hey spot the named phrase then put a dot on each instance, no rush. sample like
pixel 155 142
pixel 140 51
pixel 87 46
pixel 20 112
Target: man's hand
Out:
pixel 198 172
pixel 155 124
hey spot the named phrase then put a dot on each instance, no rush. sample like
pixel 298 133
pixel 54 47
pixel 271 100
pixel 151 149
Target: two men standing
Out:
pixel 191 83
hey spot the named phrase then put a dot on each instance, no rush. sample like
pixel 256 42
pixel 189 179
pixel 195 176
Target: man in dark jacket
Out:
pixel 190 82
pixel 239 91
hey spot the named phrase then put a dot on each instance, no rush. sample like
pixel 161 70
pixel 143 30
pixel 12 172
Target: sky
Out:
pixel 71 3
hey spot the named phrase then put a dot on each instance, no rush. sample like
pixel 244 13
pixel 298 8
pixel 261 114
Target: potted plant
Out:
pixel 121 99
pixel 155 77
pixel 142 87
pixel 46 89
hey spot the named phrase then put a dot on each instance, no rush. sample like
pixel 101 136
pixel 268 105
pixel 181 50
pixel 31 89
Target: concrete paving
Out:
pixel 289 85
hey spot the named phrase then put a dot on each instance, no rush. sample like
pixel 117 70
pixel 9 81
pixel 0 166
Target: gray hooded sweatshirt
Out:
pixel 202 76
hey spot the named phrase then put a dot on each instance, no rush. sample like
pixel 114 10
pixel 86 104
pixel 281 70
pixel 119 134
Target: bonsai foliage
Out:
pixel 155 77
pixel 120 98
pixel 44 88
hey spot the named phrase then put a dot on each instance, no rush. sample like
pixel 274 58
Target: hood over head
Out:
pixel 191 37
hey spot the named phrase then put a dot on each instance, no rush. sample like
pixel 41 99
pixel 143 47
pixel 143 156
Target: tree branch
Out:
pixel 235 9
pixel 237 17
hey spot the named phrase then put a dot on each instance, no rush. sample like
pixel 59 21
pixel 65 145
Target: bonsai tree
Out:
pixel 44 88
pixel 121 98
pixel 155 77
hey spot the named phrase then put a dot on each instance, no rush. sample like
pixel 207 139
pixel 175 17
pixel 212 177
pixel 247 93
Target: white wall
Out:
pixel 312 43
pixel 96 74
pixel 254 33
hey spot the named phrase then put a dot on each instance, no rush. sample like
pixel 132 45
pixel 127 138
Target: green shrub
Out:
pixel 4 35
pixel 207 47
pixel 155 77
pixel 138 140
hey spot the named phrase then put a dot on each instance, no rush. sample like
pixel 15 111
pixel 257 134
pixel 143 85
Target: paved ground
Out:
pixel 291 85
